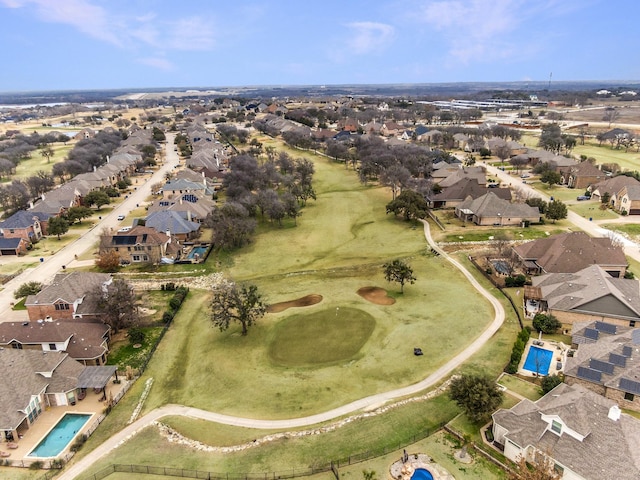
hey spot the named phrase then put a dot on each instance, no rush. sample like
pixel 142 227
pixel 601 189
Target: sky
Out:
pixel 120 44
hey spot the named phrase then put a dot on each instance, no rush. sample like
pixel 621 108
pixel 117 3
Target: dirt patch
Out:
pixel 306 301
pixel 376 295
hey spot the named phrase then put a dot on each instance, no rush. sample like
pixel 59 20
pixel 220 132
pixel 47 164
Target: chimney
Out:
pixel 204 180
pixel 614 413
pixel 42 196
pixel 168 233
pixel 107 158
pixel 189 215
pixel 31 205
pixel 95 168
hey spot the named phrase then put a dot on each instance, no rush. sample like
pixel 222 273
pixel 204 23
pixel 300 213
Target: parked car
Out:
pixel 524 175
pixel 583 197
pixel 120 217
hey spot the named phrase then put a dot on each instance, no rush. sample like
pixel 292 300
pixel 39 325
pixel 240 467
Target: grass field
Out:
pixel 522 387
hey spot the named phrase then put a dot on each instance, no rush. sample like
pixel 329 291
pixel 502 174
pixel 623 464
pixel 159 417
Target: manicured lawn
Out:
pixel 37 162
pixel 520 386
pixel 124 354
pixel 20 305
pixel 591 209
pixel 632 230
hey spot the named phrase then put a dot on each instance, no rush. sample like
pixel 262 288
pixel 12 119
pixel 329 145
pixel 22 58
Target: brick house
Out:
pixel 26 224
pixel 13 246
pixel 628 200
pixel 70 296
pixel 582 175
pixel 489 209
pixel 141 244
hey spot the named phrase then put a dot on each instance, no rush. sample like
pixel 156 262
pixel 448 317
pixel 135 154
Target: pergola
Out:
pixel 96 377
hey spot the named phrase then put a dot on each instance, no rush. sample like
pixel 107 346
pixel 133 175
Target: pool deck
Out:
pixel 51 416
pixel 404 470
pixel 559 355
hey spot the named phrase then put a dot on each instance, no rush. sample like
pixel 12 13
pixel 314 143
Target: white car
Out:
pixel 124 229
pixel 120 217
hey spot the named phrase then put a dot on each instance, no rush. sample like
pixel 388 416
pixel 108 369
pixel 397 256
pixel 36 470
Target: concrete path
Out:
pixel 45 271
pixel 365 403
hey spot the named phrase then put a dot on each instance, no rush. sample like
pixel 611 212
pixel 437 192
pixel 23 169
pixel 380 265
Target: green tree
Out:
pixel 411 205
pixel 158 135
pixel 546 323
pixel 556 210
pixel 58 226
pixel 26 289
pixel 399 272
pixel 549 383
pixel 78 213
pixel 47 152
pixel 97 198
pixel 551 177
pixel 477 395
pixel 233 303
pixel 118 304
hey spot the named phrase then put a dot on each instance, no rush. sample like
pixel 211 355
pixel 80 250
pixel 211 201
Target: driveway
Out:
pixel 631 249
pixel 45 271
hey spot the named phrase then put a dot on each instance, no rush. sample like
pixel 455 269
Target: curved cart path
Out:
pixel 77 468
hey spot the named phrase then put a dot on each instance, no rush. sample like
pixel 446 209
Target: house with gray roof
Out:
pixel 457 174
pixel 453 195
pixel 26 224
pixel 611 187
pixel 605 361
pixel 569 253
pixel 489 209
pixel 584 435
pixel 173 223
pixel 69 296
pixel 32 381
pixel 13 246
pixel 628 200
pixel 587 295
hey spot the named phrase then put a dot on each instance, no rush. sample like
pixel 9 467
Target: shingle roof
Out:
pixel 21 378
pixel 20 219
pixel 577 292
pixel 170 221
pixel 68 287
pixel 9 243
pixel 571 252
pixel 614 185
pixel 458 174
pixel 490 205
pixel 609 448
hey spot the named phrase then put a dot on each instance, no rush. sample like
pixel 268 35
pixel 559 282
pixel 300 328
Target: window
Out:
pixel 117 249
pixel 149 247
pixel 136 258
pixel 629 396
pixel 52 346
pixel 556 426
pixel 139 248
pixel 62 306
pixel 632 323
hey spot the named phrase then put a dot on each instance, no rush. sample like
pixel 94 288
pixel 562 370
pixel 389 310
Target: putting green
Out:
pixel 321 338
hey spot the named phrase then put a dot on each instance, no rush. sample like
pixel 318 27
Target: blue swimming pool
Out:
pixel 421 474
pixel 60 435
pixel 200 251
pixel 538 360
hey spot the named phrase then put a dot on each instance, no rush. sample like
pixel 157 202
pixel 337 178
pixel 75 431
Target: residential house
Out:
pixel 142 244
pixel 372 128
pixel 584 435
pixel 628 200
pixel 391 129
pixel 176 188
pixel 455 194
pixel 86 342
pixel 173 224
pixel 13 246
pixel 571 252
pixel 69 296
pixel 587 295
pixel 477 173
pixel 26 224
pixel 489 209
pixel 610 188
pixel 582 175
pixel 348 125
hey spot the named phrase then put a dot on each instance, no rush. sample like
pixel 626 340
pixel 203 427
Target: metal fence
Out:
pixel 283 474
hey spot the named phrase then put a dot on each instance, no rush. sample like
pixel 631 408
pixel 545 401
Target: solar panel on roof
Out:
pixel 630 386
pixel 619 360
pixel 626 351
pixel 591 333
pixel 124 239
pixel 601 366
pixel 604 327
pixel 589 374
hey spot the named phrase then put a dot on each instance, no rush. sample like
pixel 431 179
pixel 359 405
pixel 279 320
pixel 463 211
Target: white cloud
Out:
pixel 157 62
pixel 119 28
pixel 367 37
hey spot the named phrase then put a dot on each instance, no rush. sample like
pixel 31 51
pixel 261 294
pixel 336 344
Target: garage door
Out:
pixel 7 251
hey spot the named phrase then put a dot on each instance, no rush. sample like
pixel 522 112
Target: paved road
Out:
pixel 631 249
pixel 369 402
pixel 44 272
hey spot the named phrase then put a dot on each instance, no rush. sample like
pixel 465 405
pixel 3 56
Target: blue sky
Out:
pixel 101 44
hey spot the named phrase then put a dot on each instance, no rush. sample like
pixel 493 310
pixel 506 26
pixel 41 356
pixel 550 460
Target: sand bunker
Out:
pixel 300 302
pixel 376 295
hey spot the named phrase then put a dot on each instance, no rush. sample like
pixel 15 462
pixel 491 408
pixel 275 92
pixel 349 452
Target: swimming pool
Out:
pixel 421 474
pixel 538 360
pixel 60 435
pixel 200 251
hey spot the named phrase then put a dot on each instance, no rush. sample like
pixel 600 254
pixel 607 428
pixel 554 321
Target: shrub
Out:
pixel 175 303
pixel 517 351
pixel 26 289
pixel 549 383
pixel 546 323
pixel 169 287
pixel 37 465
pixel 517 281
pixel 136 335
pixel 167 316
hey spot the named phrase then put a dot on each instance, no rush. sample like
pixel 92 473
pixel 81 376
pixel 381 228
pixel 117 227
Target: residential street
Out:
pixel 45 271
pixel 631 249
